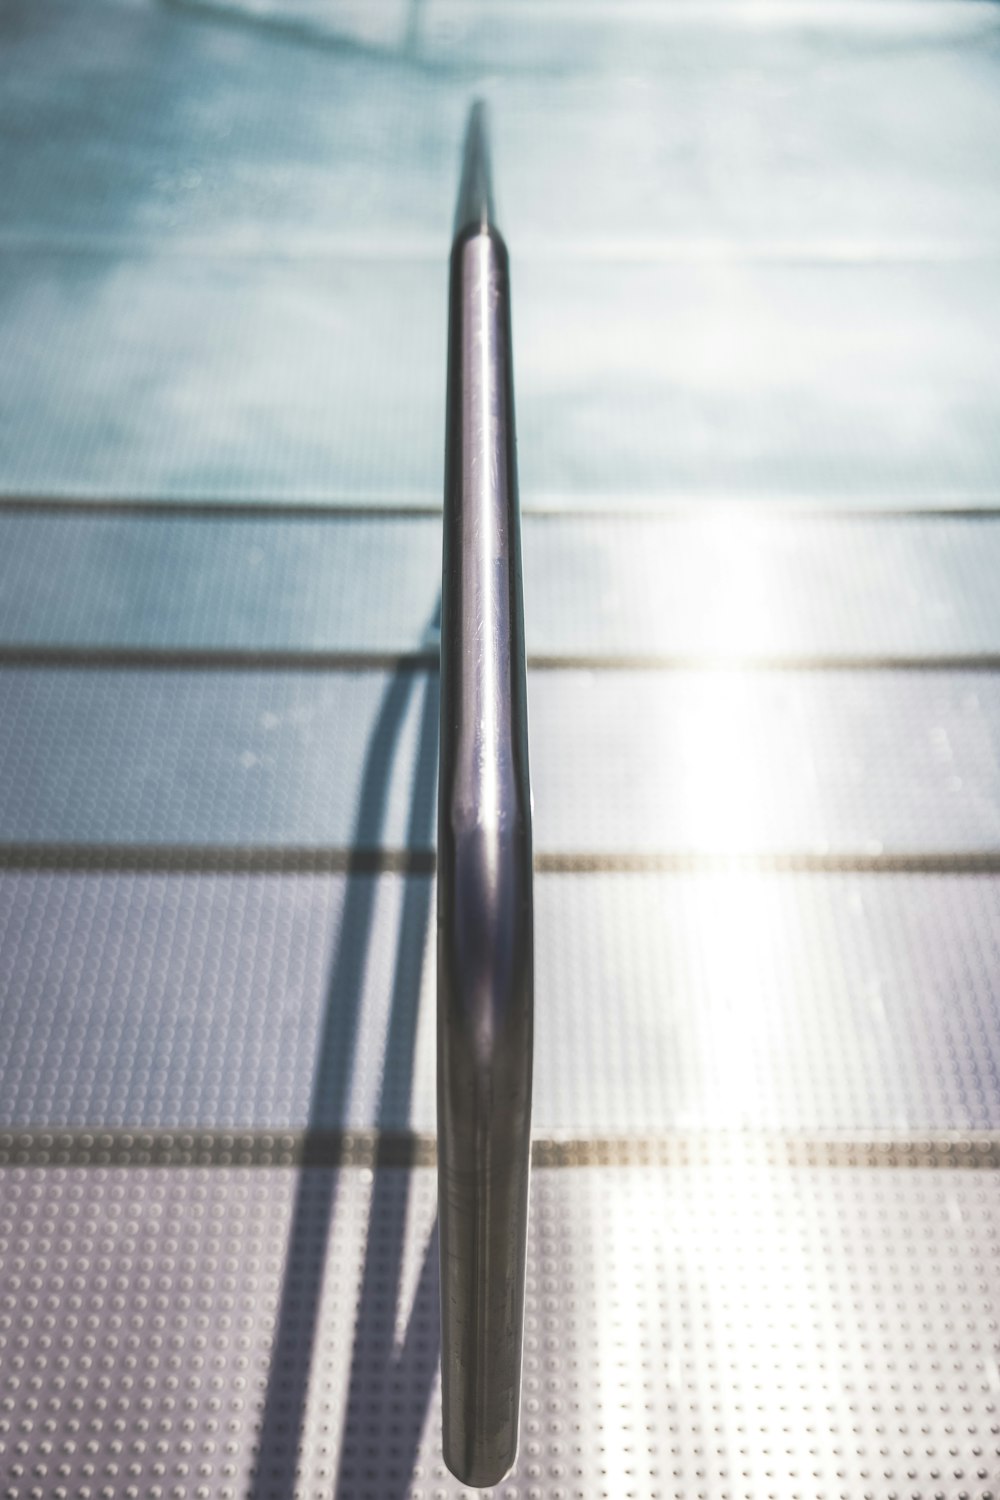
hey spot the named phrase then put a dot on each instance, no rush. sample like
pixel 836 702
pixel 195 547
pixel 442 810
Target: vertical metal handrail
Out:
pixel 485 941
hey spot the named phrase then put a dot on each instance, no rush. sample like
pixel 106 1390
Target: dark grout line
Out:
pixel 159 507
pixel 216 859
pixel 691 508
pixel 983 661
pixel 204 859
pixel 427 248
pixel 197 1147
pixel 229 659
pixel 426 659
pixel 858 862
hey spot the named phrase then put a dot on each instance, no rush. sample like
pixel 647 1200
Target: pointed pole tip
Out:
pixel 474 209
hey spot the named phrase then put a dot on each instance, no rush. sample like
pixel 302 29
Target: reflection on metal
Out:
pixel 485 951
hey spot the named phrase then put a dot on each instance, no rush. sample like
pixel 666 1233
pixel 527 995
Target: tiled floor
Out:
pixel 756 272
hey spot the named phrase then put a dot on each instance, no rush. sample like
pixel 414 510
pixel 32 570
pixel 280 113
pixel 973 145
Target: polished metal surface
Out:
pixel 485 924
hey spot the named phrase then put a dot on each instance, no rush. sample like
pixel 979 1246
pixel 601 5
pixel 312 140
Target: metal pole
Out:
pixel 485 945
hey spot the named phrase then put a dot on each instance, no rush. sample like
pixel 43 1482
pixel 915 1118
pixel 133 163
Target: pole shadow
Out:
pixel 389 1390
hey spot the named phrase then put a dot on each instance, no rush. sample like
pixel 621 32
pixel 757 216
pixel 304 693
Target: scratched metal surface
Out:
pixel 756 259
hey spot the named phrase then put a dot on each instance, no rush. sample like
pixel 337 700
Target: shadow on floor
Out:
pixel 389 1388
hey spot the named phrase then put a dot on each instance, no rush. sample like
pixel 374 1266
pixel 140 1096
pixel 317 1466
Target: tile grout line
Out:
pixel 38 657
pixel 692 509
pixel 250 859
pixel 121 1147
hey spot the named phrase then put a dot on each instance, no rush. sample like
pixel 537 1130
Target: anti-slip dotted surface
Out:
pixel 631 762
pixel 691 585
pixel 666 1003
pixel 726 1331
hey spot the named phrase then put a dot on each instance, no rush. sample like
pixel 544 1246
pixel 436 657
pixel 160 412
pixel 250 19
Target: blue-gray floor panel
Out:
pixel 803 1003
pixel 284 127
pixel 159 377
pixel 790 588
pixel 636 763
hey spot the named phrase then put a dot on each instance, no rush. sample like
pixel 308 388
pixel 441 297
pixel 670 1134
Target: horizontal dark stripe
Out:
pixel 236 659
pixel 42 1147
pixel 219 510
pixel 307 859
pixel 196 859
pixel 940 1149
pixel 931 862
pixel 804 508
pixel 655 662
pixel 240 659
pixel 427 248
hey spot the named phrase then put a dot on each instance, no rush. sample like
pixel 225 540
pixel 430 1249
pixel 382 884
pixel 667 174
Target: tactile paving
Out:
pixel 728 1330
pixel 803 1003
pixel 216 1000
pixel 724 762
pixel 792 588
pixel 175 757
pixel 852 764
